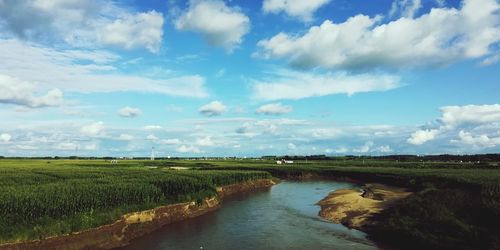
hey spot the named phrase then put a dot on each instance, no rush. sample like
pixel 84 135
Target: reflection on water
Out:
pixel 285 217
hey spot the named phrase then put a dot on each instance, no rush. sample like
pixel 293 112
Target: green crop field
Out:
pixel 40 198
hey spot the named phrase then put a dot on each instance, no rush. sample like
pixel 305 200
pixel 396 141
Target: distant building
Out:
pixel 283 161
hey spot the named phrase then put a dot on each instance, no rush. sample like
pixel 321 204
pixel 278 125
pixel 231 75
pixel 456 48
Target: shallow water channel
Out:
pixel 284 217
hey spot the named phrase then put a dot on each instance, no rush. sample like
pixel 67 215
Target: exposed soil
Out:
pixel 354 207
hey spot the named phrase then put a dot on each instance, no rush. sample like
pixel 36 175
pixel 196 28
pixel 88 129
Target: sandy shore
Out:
pixel 352 207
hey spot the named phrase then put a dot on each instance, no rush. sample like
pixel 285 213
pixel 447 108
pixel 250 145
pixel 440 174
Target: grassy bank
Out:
pixel 45 198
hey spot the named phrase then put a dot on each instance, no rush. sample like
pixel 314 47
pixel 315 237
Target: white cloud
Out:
pixel 71 146
pixel 86 71
pixel 213 109
pixel 274 109
pixel 93 129
pixel 440 37
pixel 151 137
pixel 25 147
pixel 405 8
pixel 326 133
pixel 365 148
pixel 220 73
pixel 286 84
pixel 205 141
pixel 291 146
pixel 18 92
pixel 125 137
pixel 477 141
pixel 90 147
pixel 152 127
pixel 82 23
pixel 419 137
pixel 67 146
pixel 482 118
pixel 490 60
pixel 170 141
pixel 440 3
pixel 384 149
pixel 299 9
pixel 129 112
pixel 339 150
pixel 219 24
pixel 188 149
pixel 246 129
pixel 136 30
pixel 470 114
pixel 4 137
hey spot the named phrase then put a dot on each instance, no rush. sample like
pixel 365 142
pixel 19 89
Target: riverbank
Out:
pixel 137 224
pixel 354 207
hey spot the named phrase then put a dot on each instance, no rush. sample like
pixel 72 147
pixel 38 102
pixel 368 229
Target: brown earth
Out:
pixel 354 207
pixel 137 224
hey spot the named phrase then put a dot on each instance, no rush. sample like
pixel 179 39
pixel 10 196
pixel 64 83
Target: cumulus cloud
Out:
pixel 291 146
pixel 286 84
pixel 475 125
pixel 129 112
pixel 274 109
pixel 214 108
pixel 470 114
pixel 365 148
pixel 419 137
pixel 440 37
pixel 135 31
pixel 93 129
pixel 205 141
pixel 220 25
pixel 86 71
pixel 477 141
pixel 246 129
pixel 82 23
pixel 384 149
pixel 300 9
pixel 4 137
pixel 18 92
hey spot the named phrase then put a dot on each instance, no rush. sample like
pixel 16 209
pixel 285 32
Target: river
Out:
pixel 284 217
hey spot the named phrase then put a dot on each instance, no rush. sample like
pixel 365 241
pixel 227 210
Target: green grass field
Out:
pixel 454 204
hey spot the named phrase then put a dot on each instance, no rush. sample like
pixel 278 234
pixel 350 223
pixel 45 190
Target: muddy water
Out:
pixel 284 217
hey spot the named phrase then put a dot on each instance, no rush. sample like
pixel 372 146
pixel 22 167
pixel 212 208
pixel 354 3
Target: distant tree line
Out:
pixel 400 158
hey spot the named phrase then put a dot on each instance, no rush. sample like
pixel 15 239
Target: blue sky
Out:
pixel 249 78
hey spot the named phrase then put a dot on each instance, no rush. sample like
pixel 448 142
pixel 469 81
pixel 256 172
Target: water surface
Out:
pixel 284 217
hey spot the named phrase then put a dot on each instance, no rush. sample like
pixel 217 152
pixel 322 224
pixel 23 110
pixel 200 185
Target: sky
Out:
pixel 249 78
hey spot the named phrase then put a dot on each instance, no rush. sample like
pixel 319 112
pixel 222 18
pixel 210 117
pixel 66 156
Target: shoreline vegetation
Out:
pixel 443 207
pixel 136 224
